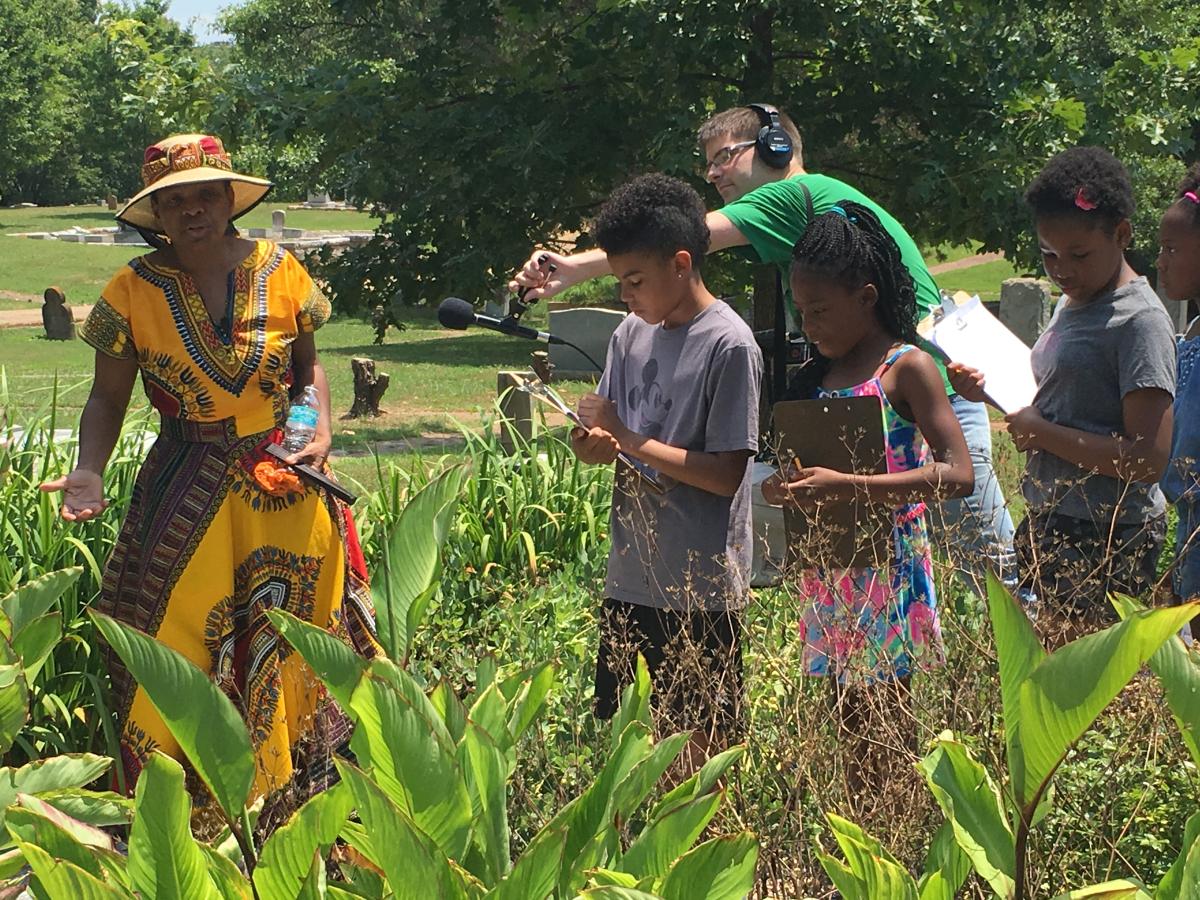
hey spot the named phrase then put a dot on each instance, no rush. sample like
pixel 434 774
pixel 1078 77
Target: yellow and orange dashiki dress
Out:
pixel 205 550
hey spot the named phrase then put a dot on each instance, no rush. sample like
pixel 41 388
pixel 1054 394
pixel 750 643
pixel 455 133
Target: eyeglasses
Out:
pixel 725 155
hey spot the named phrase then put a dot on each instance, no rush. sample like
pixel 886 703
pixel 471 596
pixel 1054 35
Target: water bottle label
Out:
pixel 302 417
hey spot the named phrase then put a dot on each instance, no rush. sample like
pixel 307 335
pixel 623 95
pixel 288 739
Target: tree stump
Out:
pixel 368 388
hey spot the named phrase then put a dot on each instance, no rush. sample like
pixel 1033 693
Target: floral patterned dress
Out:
pixel 208 546
pixel 871 624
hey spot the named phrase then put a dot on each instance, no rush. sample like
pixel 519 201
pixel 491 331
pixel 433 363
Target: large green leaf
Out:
pixel 587 816
pixel 536 872
pixel 408 579
pixel 720 869
pixel 333 661
pixel 29 825
pixel 412 763
pixel 98 808
pixel 634 705
pixel 200 717
pixel 415 868
pixel 848 885
pixel 527 702
pixel 972 805
pixel 701 783
pixel 1177 665
pixel 79 832
pixel 1122 889
pixel 228 879
pixel 34 598
pixel 1185 871
pixel 487 774
pixel 165 861
pixel 1065 693
pixel 286 857
pixel 666 839
pixel 946 866
pixel 845 831
pixel 613 892
pixel 67 881
pixel 14 696
pixel 35 642
pixel 1019 652
pixel 637 785
pixel 876 870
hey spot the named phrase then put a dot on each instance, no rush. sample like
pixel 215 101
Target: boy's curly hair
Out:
pixel 1191 185
pixel 1087 183
pixel 653 214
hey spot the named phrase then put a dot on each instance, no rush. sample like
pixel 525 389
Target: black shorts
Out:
pixel 695 663
pixel 1072 565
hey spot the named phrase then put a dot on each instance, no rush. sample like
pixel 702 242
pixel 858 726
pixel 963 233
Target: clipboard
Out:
pixel 535 387
pixel 967 333
pixel 312 476
pixel 845 434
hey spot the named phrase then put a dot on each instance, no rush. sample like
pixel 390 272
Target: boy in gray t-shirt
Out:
pixel 680 397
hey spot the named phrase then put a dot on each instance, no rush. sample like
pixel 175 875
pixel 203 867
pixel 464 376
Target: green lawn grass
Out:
pixel 60 218
pixel 440 380
pixel 984 279
pixel 944 253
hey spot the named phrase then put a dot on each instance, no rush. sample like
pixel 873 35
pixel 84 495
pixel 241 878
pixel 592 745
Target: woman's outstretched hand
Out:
pixel 83 495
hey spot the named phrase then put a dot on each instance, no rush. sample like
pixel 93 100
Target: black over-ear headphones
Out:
pixel 773 145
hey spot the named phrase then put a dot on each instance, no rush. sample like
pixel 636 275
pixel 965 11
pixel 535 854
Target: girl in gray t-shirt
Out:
pixel 1098 433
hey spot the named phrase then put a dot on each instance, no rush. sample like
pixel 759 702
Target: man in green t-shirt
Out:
pixel 754 159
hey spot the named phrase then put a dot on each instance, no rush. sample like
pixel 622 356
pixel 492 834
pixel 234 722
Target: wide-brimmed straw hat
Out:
pixel 189 159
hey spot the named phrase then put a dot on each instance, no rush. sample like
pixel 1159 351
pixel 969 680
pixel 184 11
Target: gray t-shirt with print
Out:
pixel 1085 362
pixel 693 386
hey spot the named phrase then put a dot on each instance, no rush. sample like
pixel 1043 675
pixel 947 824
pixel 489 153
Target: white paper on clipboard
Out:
pixel 971 335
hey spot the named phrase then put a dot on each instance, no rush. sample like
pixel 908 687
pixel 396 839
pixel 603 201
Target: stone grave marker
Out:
pixel 57 318
pixel 589 327
pixel 1025 307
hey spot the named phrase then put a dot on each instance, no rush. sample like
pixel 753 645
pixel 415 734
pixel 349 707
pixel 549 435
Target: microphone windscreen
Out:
pixel 456 313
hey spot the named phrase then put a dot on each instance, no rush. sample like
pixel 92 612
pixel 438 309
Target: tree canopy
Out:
pixel 481 127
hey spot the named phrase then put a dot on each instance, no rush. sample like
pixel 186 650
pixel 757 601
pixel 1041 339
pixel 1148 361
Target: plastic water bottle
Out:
pixel 301 421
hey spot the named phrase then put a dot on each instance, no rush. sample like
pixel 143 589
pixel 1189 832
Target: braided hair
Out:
pixel 849 245
pixel 1188 194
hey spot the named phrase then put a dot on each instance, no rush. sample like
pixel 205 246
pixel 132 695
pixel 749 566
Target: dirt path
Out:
pixel 32 318
pixel 965 263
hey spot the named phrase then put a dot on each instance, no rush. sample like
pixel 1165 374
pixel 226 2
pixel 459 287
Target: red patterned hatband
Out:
pixel 159 160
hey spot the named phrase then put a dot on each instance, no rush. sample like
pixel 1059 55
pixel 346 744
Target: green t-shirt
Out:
pixel 773 217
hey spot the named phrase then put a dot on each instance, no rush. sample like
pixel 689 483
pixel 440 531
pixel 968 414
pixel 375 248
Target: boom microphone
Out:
pixel 459 314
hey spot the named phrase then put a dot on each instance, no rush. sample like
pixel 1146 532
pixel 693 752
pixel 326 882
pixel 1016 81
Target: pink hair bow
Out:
pixel 1083 202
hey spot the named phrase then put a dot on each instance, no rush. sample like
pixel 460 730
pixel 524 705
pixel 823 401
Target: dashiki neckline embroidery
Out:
pixel 232 365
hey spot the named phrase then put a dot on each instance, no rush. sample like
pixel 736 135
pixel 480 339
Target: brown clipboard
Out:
pixel 844 434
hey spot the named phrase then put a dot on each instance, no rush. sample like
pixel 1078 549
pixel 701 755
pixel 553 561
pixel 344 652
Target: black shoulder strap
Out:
pixel 779 356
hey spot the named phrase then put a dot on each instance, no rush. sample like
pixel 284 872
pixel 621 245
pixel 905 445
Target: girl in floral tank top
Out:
pixel 870 625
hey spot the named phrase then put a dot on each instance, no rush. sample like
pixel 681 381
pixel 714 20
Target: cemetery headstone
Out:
pixel 1025 307
pixel 589 327
pixel 277 220
pixel 57 318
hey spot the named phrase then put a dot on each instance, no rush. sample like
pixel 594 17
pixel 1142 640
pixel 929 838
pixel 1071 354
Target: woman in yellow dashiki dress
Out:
pixel 216 535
